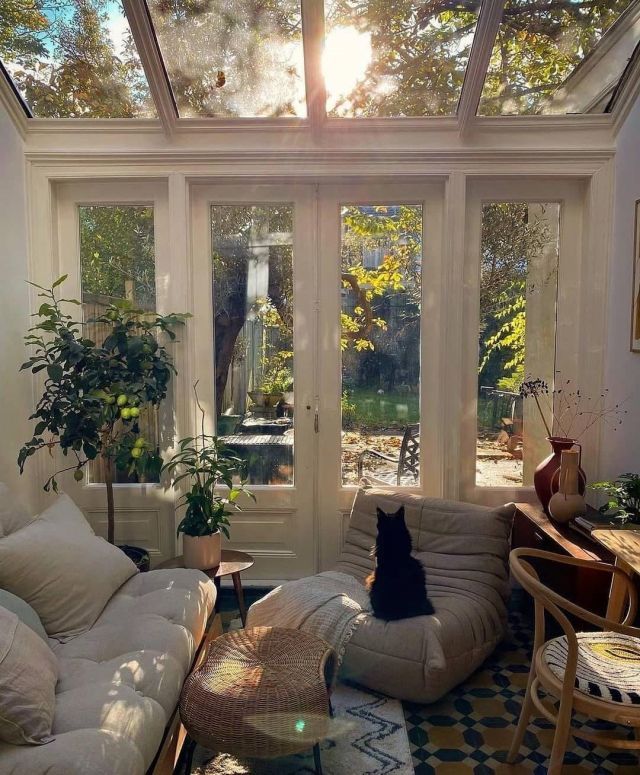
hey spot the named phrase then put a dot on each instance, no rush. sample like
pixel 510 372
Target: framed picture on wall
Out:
pixel 635 315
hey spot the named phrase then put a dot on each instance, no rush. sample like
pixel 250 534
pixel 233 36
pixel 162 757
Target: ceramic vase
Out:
pixel 202 552
pixel 567 503
pixel 546 476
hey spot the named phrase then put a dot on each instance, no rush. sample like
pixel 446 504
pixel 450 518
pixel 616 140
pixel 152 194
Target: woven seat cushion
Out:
pixel 608 665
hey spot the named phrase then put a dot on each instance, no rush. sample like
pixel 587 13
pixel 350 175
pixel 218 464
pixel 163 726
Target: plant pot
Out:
pixel 546 476
pixel 139 556
pixel 202 552
pixel 265 400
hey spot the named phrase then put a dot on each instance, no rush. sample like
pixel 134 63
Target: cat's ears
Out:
pixel 382 515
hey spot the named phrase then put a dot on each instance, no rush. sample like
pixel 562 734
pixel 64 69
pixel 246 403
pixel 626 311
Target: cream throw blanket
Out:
pixel 330 606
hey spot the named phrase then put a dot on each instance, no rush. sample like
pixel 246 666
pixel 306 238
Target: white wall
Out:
pixel 15 390
pixel 620 450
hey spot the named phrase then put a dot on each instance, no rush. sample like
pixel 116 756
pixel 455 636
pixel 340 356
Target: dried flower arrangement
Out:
pixel 566 405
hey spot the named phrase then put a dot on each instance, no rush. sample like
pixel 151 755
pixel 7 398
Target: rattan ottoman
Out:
pixel 263 693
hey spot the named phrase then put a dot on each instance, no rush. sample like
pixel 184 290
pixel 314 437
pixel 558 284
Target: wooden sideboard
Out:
pixel 533 529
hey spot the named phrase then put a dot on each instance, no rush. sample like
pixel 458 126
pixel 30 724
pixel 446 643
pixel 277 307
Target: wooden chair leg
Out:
pixel 561 736
pixel 189 748
pixel 316 759
pixel 523 722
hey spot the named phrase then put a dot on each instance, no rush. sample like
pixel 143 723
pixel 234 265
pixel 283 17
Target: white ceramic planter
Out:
pixel 202 552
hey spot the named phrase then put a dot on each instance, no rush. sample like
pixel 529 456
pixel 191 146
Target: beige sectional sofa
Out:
pixel 464 549
pixel 119 681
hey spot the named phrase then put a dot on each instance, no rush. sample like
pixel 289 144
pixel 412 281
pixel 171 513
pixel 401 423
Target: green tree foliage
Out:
pixel 511 237
pixel 64 63
pixel 116 248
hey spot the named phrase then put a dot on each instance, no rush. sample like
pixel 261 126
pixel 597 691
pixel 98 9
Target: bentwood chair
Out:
pixel 593 673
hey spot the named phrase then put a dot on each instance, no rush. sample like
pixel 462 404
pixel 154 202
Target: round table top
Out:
pixel 233 561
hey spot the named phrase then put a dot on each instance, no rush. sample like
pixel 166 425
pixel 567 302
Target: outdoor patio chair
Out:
pixel 407 465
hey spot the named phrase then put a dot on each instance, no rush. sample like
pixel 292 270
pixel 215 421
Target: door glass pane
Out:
pixel 117 262
pixel 396 59
pixel 252 253
pixel 381 255
pixel 235 58
pixel 518 295
pixel 73 59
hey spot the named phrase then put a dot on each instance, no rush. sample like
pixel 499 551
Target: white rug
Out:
pixel 368 737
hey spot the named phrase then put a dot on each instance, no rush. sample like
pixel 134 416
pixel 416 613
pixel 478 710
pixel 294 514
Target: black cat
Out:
pixel 397 586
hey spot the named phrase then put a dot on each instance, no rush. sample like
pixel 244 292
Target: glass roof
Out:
pixel 242 58
pixel 537 52
pixel 396 59
pixel 74 59
pixel 382 58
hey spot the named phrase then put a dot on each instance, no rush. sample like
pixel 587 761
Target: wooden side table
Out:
pixel 233 563
pixel 625 546
pixel 532 529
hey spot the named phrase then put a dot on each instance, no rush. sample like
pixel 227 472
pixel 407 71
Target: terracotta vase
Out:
pixel 567 503
pixel 545 478
pixel 202 552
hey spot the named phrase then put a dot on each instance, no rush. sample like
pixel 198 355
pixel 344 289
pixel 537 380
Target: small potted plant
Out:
pixel 624 497
pixel 207 464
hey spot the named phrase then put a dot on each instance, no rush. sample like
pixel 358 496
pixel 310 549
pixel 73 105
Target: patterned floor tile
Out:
pixel 470 730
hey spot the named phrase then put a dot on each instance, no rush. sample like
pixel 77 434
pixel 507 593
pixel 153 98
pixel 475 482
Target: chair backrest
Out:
pixel 409 462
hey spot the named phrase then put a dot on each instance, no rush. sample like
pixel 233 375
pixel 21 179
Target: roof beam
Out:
pixel 489 20
pixel 313 46
pixel 144 37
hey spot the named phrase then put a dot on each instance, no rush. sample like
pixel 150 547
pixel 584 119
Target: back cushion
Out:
pixel 451 538
pixel 64 571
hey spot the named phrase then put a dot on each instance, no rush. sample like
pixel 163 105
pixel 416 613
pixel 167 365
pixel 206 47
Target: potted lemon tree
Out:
pixel 94 393
pixel 216 479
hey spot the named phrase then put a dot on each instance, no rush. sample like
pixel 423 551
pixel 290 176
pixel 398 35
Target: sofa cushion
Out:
pixel 63 570
pixel 28 674
pixel 23 611
pixel 120 681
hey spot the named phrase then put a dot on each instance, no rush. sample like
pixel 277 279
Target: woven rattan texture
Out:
pixel 261 692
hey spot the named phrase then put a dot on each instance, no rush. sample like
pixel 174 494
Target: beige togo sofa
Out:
pixel 464 549
pixel 119 680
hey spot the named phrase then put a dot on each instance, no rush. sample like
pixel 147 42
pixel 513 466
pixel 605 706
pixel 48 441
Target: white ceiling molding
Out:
pixel 144 37
pixel 313 47
pixel 483 41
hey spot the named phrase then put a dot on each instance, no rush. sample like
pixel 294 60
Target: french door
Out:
pixel 310 348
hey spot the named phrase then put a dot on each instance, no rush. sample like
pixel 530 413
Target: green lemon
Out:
pixel 136 452
pixel 110 400
pixel 139 442
pixel 122 399
pixel 78 474
pixel 135 412
pixel 125 413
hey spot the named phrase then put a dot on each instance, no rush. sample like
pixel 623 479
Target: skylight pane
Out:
pixel 396 58
pixel 232 58
pixel 74 58
pixel 552 58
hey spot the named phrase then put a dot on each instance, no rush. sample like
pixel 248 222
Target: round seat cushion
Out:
pixel 608 665
pixel 261 692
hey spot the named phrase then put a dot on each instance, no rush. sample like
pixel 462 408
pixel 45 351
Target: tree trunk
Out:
pixel 108 480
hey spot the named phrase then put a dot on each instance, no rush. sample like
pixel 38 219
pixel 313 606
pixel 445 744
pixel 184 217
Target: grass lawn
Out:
pixel 374 412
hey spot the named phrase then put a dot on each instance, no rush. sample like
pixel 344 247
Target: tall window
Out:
pixel 252 254
pixel 117 262
pixel 517 337
pixel 381 256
